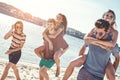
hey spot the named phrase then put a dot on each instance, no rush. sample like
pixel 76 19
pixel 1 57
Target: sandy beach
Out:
pixel 29 71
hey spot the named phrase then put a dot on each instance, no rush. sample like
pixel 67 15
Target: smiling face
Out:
pixel 59 18
pixel 51 24
pixel 19 27
pixel 109 16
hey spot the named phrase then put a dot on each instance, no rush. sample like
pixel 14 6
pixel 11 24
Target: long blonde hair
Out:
pixel 113 24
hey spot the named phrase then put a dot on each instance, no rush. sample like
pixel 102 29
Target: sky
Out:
pixel 81 14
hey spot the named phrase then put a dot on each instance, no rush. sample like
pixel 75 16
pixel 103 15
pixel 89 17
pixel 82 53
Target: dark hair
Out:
pixel 64 21
pixel 100 23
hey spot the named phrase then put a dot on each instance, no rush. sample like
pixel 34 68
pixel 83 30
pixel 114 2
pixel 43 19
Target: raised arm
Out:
pixel 107 44
pixel 9 33
pixel 89 39
pixel 93 41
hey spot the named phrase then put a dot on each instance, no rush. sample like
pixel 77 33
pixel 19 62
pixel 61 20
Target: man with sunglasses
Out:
pixel 98 54
pixel 111 67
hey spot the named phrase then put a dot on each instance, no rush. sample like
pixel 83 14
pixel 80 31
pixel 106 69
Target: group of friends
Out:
pixel 101 43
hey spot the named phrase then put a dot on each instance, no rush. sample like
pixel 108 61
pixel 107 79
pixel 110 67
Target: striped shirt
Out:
pixel 17 39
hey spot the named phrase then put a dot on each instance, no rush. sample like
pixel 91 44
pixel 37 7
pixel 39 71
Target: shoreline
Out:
pixel 29 71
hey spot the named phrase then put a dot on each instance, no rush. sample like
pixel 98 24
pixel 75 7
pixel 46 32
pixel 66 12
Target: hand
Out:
pixel 13 27
pixel 107 48
pixel 8 52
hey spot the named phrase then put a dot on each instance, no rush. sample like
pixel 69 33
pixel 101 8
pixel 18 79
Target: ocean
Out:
pixel 34 40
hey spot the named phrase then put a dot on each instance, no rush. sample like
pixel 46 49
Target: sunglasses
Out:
pixel 18 27
pixel 99 33
pixel 109 16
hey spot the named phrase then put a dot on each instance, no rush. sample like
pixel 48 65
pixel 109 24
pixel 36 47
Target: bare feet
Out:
pixel 57 71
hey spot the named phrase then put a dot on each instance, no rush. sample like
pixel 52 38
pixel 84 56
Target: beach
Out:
pixel 29 71
pixel 28 64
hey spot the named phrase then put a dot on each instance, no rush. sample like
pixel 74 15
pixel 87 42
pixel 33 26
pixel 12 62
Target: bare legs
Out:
pixel 43 73
pixel 8 66
pixel 57 60
pixel 110 71
pixel 75 63
pixel 16 72
pixel 5 73
pixel 39 51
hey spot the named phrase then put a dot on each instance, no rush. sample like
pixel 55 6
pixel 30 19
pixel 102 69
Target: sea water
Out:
pixel 34 39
